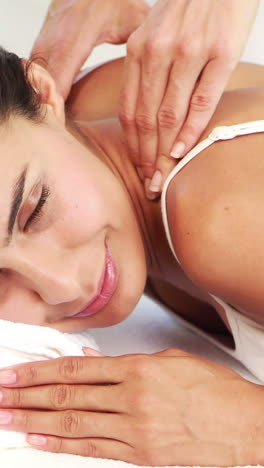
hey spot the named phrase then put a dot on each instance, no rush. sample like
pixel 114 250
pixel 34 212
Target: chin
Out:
pixel 117 310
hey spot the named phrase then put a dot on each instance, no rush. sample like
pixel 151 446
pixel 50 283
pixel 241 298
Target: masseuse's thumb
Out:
pixel 65 41
pixel 63 61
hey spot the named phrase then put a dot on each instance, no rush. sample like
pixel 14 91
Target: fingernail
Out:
pixel 178 150
pixel 156 181
pixel 7 377
pixel 5 417
pixel 36 439
pixel 91 351
pixel 150 195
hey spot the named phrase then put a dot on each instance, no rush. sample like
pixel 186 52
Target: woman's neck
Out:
pixel 106 140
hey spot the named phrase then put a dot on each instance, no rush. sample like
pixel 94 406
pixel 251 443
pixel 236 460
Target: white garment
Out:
pixel 248 335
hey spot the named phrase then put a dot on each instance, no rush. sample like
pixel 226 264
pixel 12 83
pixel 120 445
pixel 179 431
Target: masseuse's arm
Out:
pixel 179 61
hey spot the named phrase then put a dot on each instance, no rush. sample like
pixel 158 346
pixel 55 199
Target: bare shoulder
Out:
pixel 96 95
pixel 215 206
pixel 246 75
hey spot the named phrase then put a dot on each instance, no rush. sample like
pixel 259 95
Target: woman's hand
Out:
pixel 166 408
pixel 178 63
pixel 72 28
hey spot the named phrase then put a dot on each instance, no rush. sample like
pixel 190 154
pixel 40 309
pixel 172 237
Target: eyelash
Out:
pixel 37 213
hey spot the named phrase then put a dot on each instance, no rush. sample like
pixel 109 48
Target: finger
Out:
pixel 155 71
pixel 66 369
pixel 92 447
pixel 70 423
pixel 63 396
pixel 128 103
pixel 202 105
pixel 91 352
pixel 172 113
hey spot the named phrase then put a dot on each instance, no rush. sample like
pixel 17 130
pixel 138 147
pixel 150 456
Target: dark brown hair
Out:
pixel 17 95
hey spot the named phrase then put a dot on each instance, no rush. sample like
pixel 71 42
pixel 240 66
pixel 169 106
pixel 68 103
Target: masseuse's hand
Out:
pixel 72 29
pixel 166 408
pixel 177 66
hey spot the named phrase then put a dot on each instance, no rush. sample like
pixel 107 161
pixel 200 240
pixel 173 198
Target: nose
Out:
pixel 53 280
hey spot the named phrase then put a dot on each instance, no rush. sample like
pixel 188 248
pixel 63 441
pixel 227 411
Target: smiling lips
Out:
pixel 107 286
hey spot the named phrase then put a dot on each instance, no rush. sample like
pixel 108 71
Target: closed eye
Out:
pixel 37 213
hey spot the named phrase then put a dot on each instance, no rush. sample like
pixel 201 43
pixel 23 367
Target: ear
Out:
pixel 45 86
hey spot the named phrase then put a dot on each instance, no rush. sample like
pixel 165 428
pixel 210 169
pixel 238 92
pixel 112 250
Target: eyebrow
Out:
pixel 17 197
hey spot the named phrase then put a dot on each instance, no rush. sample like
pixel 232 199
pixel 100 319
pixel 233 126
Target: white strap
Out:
pixel 219 133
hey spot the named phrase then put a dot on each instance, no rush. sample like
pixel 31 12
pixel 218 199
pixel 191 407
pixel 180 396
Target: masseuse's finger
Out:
pixel 66 369
pixel 203 102
pixel 154 77
pixel 172 114
pixel 64 44
pixel 128 101
pixel 64 396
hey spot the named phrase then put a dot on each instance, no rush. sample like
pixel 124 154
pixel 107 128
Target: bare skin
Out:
pixel 171 282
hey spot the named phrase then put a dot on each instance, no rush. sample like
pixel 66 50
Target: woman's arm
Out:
pixel 96 96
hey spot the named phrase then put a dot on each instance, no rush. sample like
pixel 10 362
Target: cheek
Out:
pixel 83 214
pixel 86 201
pixel 91 203
pixel 21 305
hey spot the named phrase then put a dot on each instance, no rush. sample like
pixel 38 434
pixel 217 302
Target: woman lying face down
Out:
pixel 76 228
